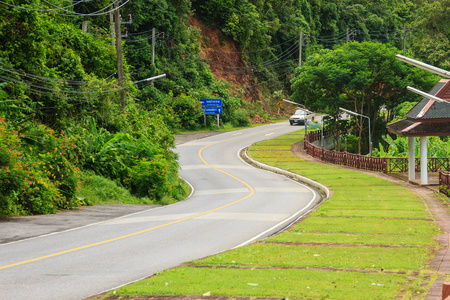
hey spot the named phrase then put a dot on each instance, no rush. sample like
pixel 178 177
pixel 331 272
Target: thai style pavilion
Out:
pixel 427 118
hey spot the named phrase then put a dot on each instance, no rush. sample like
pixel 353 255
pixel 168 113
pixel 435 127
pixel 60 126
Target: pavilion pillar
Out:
pixel 411 158
pixel 423 161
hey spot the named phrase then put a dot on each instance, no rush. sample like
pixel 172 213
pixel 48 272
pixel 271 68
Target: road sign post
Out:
pixel 212 107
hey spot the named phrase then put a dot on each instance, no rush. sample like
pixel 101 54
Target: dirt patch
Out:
pixel 225 60
pixel 257 119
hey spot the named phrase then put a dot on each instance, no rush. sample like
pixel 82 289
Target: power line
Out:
pixel 99 12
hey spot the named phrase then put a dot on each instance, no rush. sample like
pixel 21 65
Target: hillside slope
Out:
pixel 226 61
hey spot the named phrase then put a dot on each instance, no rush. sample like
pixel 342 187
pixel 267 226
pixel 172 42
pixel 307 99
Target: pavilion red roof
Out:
pixel 428 117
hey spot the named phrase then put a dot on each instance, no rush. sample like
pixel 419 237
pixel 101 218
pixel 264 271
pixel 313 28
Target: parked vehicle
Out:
pixel 299 117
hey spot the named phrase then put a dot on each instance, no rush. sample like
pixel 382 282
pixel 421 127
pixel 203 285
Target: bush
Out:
pixel 352 143
pixel 139 158
pixel 188 110
pixel 100 190
pixel 240 119
pixel 36 177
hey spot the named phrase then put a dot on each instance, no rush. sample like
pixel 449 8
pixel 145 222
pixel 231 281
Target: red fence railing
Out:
pixel 378 164
pixel 444 183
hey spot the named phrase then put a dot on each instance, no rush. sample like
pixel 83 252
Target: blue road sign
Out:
pixel 211 102
pixel 212 110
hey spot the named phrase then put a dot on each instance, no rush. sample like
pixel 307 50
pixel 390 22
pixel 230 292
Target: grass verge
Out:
pixel 101 190
pixel 371 240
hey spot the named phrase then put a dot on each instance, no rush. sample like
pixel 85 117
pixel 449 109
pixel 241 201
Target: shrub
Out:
pixel 36 176
pixel 352 143
pixel 240 119
pixel 139 158
pixel 188 110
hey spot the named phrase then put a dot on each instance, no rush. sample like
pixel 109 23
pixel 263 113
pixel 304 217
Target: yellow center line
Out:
pixel 252 192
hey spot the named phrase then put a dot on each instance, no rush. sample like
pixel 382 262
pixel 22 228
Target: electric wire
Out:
pixel 271 62
pixel 279 60
pixel 99 12
pixel 65 7
pixel 56 90
pixel 266 64
pixel 259 50
pixel 287 71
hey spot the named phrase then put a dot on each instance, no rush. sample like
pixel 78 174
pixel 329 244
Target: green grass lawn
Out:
pixel 371 240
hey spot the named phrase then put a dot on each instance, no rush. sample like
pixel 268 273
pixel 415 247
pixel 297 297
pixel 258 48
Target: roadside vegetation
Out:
pixel 371 240
pixel 63 122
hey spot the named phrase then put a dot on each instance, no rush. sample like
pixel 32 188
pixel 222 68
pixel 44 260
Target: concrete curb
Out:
pixel 320 187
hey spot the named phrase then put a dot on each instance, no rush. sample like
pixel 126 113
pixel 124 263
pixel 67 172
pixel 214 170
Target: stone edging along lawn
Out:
pixel 371 240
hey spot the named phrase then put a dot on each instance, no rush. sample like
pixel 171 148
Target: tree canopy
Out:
pixel 363 77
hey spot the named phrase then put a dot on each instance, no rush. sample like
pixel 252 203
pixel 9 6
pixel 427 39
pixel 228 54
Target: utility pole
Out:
pixel 300 49
pixel 111 22
pixel 153 46
pixel 119 55
pixel 350 34
pixel 84 26
pixel 405 29
pixel 404 39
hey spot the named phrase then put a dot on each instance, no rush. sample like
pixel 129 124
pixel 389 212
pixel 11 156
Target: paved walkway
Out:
pixel 441 212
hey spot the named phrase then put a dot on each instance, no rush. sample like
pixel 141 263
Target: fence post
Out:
pixel 446 290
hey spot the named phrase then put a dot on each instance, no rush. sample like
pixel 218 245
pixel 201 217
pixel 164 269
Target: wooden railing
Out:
pixel 444 183
pixel 378 164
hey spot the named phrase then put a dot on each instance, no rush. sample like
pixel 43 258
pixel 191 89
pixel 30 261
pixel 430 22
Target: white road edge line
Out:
pixel 301 180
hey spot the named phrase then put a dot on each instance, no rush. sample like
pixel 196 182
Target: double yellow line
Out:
pixel 252 192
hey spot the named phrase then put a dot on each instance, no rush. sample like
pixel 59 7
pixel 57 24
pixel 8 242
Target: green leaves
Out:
pixel 362 77
pixel 431 40
pixel 37 173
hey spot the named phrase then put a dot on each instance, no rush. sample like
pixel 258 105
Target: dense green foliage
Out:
pixel 436 147
pixel 362 77
pixel 431 43
pixel 60 84
pixel 36 173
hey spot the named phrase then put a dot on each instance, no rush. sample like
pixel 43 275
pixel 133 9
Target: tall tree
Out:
pixel 432 34
pixel 362 77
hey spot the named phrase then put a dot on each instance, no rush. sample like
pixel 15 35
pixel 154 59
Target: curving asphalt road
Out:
pixel 232 204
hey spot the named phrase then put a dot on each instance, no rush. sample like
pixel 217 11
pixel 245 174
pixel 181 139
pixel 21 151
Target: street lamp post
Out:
pixel 323 126
pixel 292 102
pixel 150 79
pixel 419 64
pixel 323 138
pixel 306 121
pixel 426 95
pixel 357 114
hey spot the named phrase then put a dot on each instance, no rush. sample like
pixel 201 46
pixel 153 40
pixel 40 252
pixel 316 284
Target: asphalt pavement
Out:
pixel 232 204
pixel 13 229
